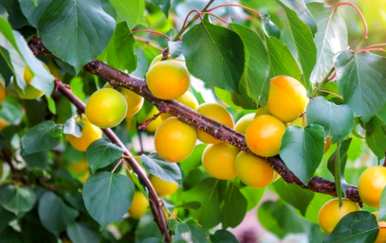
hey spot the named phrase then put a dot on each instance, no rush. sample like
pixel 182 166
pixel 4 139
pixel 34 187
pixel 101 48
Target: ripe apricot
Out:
pixel 90 133
pixel 287 98
pixel 219 160
pixel 139 205
pixel 215 112
pixel 29 92
pixel 331 213
pixel 3 92
pixel 174 140
pixel 106 108
pixel 3 123
pixel 153 125
pixel 187 99
pixel 372 182
pixel 79 170
pixel 263 136
pixel 134 102
pixel 168 79
pixel 252 170
pixel 163 187
pixel 244 122
pixel 381 238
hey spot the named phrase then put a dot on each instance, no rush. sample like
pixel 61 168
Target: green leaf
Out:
pixel 131 11
pixel 119 53
pixel 256 67
pixel 6 69
pixel 234 207
pixel 72 127
pixel 303 39
pixel 356 227
pixel 293 194
pixel 164 5
pixel 17 200
pixel 83 25
pixel 345 145
pixel 207 193
pixel 223 236
pixel 54 214
pixel 189 232
pixel 376 137
pixel 302 150
pixel 194 159
pixel 42 137
pixel 165 170
pixel 11 111
pixel 282 61
pixel 107 196
pixel 382 209
pixel 81 233
pixel 361 79
pixel 337 120
pixel 253 196
pixel 147 231
pixel 102 153
pixel 206 45
pixel 33 11
pixel 300 8
pixel 382 114
pixel 5 218
pixel 331 38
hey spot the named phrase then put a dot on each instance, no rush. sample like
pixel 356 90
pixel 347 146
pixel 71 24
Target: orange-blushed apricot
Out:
pixel 219 160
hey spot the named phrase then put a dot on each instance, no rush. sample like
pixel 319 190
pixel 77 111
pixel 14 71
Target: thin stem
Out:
pixel 251 10
pixel 217 17
pixel 147 122
pixel 360 14
pixel 139 134
pixel 148 42
pixel 153 32
pixel 368 49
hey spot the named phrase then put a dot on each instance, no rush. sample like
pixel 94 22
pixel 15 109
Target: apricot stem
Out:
pixel 147 122
pixel 153 32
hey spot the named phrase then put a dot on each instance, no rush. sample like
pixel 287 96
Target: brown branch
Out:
pixel 155 202
pixel 221 132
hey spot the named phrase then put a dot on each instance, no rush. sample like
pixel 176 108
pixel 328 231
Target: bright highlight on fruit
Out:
pixel 163 187
pixel 244 122
pixel 90 133
pixel 174 140
pixel 372 182
pixel 134 102
pixel 263 136
pixel 168 79
pixel 287 98
pixel 215 112
pixel 106 108
pixel 252 170
pixel 331 213
pixel 139 205
pixel 219 160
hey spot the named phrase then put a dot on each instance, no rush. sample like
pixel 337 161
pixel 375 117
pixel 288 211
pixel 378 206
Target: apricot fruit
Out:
pixel 163 187
pixel 217 113
pixel 287 98
pixel 106 108
pixel 187 99
pixel 153 125
pixel 219 160
pixel 90 133
pixel 3 123
pixel 3 92
pixel 134 102
pixel 252 170
pixel 372 182
pixel 168 79
pixel 79 170
pixel 29 92
pixel 381 237
pixel 139 205
pixel 331 213
pixel 263 136
pixel 244 122
pixel 174 140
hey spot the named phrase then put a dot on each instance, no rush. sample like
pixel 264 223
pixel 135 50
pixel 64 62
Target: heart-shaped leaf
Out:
pixel 102 153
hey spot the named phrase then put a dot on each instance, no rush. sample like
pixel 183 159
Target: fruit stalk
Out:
pixel 156 203
pixel 191 117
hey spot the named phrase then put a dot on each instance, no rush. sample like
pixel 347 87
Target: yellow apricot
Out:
pixel 252 170
pixel 287 98
pixel 139 205
pixel 300 122
pixel 168 79
pixel 381 238
pixel 219 160
pixel 106 108
pixel 244 122
pixel 372 182
pixel 163 187
pixel 156 59
pixel 153 125
pixel 187 99
pixel 3 92
pixel 79 170
pixel 134 102
pixel 90 133
pixel 215 112
pixel 262 111
pixel 28 75
pixel 263 136
pixel 331 213
pixel 174 140
pixel 29 92
pixel 3 123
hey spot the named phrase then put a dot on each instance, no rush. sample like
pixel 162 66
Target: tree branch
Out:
pixel 155 202
pixel 219 131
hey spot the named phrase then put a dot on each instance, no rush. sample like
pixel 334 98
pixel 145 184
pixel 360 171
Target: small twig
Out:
pixel 360 14
pixel 368 49
pixel 147 122
pixel 251 10
pixel 217 17
pixel 153 32
pixel 148 42
pixel 139 134
pixel 116 166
